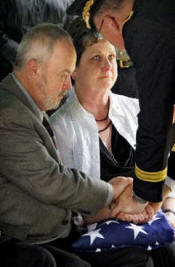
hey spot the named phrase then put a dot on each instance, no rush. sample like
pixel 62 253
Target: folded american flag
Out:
pixel 114 234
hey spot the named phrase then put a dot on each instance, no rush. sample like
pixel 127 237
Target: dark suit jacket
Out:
pixel 36 191
pixel 150 40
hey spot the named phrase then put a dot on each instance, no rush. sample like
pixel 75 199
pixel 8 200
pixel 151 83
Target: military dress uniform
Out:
pixel 150 41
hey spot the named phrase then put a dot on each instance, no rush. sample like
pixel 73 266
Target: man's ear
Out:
pixel 114 22
pixel 33 68
pixel 112 30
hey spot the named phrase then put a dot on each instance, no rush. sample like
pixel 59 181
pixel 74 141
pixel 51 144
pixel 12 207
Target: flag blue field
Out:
pixel 114 234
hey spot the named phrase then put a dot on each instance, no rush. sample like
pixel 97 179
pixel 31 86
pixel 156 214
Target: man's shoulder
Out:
pixel 8 101
pixel 12 109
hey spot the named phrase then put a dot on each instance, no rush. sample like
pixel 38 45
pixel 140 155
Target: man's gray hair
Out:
pixel 38 43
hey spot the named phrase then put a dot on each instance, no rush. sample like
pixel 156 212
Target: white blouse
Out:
pixel 77 135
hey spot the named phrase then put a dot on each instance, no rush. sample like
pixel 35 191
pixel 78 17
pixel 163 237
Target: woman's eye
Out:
pixel 111 57
pixel 96 58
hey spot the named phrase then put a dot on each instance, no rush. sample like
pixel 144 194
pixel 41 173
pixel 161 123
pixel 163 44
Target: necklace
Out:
pixel 102 130
pixel 104 119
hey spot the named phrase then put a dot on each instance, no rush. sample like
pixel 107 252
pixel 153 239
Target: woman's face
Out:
pixel 97 69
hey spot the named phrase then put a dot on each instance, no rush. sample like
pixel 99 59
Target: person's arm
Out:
pixel 169 185
pixel 28 165
pixel 128 204
pixel 156 103
pixel 136 205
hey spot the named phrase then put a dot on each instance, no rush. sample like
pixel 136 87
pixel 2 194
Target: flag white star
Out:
pixel 136 229
pixel 93 235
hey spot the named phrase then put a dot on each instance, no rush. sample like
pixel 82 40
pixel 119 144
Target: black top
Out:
pixel 120 162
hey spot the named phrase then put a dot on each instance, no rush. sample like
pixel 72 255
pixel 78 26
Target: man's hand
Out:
pixel 141 217
pixel 124 207
pixel 137 216
pixel 126 203
pixel 127 209
pixel 119 184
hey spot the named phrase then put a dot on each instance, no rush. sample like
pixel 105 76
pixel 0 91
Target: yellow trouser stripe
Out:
pixel 152 177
